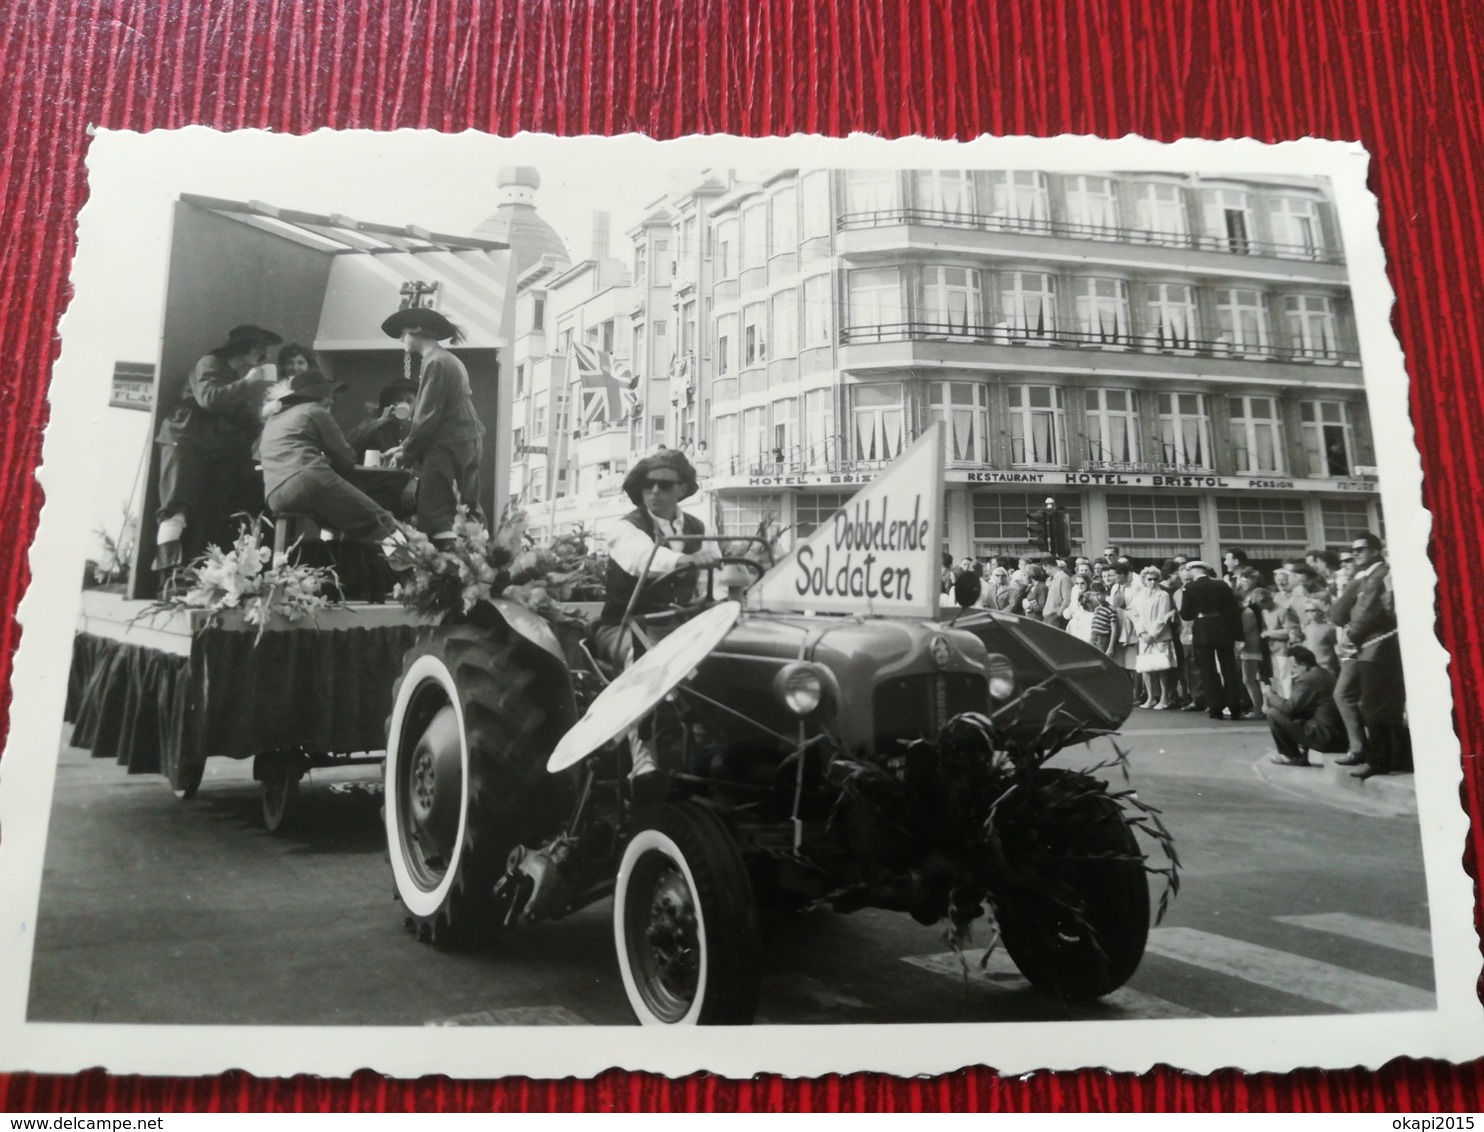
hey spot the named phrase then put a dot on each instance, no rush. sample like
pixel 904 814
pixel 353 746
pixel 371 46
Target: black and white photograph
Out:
pixel 800 605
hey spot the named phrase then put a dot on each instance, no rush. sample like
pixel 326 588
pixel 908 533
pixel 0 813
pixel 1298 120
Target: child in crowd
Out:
pixel 1104 619
pixel 1319 634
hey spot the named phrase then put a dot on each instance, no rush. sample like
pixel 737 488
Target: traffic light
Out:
pixel 1060 531
pixel 1036 532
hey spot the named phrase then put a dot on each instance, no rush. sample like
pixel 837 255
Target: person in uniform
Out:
pixel 445 440
pixel 207 469
pixel 638 550
pixel 1216 626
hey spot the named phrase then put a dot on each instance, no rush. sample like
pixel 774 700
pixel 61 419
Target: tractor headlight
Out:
pixel 799 687
pixel 1001 677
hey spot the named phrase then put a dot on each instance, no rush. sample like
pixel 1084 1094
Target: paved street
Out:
pixel 1300 896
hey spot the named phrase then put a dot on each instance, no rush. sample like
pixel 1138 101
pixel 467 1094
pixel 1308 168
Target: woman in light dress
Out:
pixel 1152 616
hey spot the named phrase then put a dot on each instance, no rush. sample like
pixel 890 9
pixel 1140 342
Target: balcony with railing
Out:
pixel 1071 230
pixel 890 345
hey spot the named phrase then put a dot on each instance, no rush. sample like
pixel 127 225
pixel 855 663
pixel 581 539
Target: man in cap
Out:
pixel 445 440
pixel 638 551
pixel 1216 626
pixel 207 470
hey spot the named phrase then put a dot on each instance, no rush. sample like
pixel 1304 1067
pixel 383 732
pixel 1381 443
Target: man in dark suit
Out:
pixel 1371 680
pixel 1307 719
pixel 1216 626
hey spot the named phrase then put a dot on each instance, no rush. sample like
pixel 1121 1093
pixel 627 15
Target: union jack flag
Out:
pixel 607 385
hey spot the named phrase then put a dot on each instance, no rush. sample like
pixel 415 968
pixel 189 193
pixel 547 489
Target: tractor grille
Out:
pixel 916 707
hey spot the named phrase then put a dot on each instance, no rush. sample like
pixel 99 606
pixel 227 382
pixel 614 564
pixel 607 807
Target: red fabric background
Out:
pixel 1399 75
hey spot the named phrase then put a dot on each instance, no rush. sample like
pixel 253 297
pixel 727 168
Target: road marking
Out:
pixel 515 1016
pixel 1334 986
pixel 1000 972
pixel 1383 933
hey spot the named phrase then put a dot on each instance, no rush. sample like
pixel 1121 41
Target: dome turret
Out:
pixel 516 223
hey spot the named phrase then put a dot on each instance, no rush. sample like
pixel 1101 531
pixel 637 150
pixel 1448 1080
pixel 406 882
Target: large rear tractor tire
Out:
pixel 1079 933
pixel 685 922
pixel 466 777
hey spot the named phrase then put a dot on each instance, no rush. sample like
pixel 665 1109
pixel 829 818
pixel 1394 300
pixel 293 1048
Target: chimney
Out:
pixel 601 223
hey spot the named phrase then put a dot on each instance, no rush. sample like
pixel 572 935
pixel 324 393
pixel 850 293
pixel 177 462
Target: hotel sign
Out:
pixel 1139 481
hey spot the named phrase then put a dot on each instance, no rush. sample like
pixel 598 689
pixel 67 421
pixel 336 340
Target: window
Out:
pixel 1295 224
pixel 786 429
pixel 1256 434
pixel 877 418
pixel 518 442
pixel 754 435
pixel 661 246
pixel 784 212
pixel 963 406
pixel 785 325
pixel 818 311
pixel 1329 441
pixel 1029 302
pixel 754 235
pixel 754 349
pixel 875 301
pixel 1243 318
pixel 538 416
pixel 688 328
pixel 1254 519
pixel 1153 518
pixel 1159 212
pixel 1312 331
pixel 743 514
pixel 1228 220
pixel 660 328
pixel 1343 519
pixel 1038 425
pixel 1170 315
pixel 999 519
pixel 640 257
pixel 605 336
pixel 640 348
pixel 687 245
pixel 726 344
pixel 1019 195
pixel 821 446
pixel 1112 427
pixel 538 314
pixel 1184 430
pixel 520 380
pixel 945 191
pixel 726 436
pixel 951 303
pixel 726 249
pixel 1103 310
pixel 1092 202
pixel 870 191
pixel 815 189
pixel 813 510
pixel 657 428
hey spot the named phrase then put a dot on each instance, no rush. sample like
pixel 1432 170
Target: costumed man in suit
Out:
pixel 1216 625
pixel 638 551
pixel 1306 719
pixel 207 470
pixel 446 438
pixel 1371 685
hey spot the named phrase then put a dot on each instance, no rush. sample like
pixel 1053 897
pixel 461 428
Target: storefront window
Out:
pixel 875 303
pixel 1248 519
pixel 1112 427
pixel 743 514
pixel 1256 434
pixel 1038 426
pixel 1029 302
pixel 1170 314
pixel 999 519
pixel 878 420
pixel 814 509
pixel 946 192
pixel 821 446
pixel 1329 439
pixel 819 313
pixel 951 302
pixel 1185 430
pixel 963 407
pixel 1153 518
pixel 1103 310
pixel 1159 213
pixel 1091 202
pixel 1343 519
pixel 1312 331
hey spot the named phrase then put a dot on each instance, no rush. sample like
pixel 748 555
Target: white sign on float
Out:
pixel 879 554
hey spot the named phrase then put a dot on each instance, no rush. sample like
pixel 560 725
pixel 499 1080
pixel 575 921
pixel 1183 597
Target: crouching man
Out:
pixel 1307 719
pixel 656 485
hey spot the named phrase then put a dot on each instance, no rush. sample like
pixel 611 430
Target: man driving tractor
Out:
pixel 639 553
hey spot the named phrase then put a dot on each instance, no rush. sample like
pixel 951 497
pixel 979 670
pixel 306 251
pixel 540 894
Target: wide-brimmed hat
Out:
pixel 246 337
pixel 310 386
pixel 424 320
pixel 668 459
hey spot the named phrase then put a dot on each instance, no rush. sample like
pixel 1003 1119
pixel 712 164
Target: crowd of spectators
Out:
pixel 1309 644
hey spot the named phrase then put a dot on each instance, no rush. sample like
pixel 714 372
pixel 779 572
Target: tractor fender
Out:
pixel 533 628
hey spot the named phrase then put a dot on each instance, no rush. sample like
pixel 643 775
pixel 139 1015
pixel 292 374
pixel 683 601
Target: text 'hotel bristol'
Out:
pixel 1173 358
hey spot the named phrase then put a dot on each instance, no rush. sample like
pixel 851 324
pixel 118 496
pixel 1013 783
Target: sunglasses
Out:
pixel 660 485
